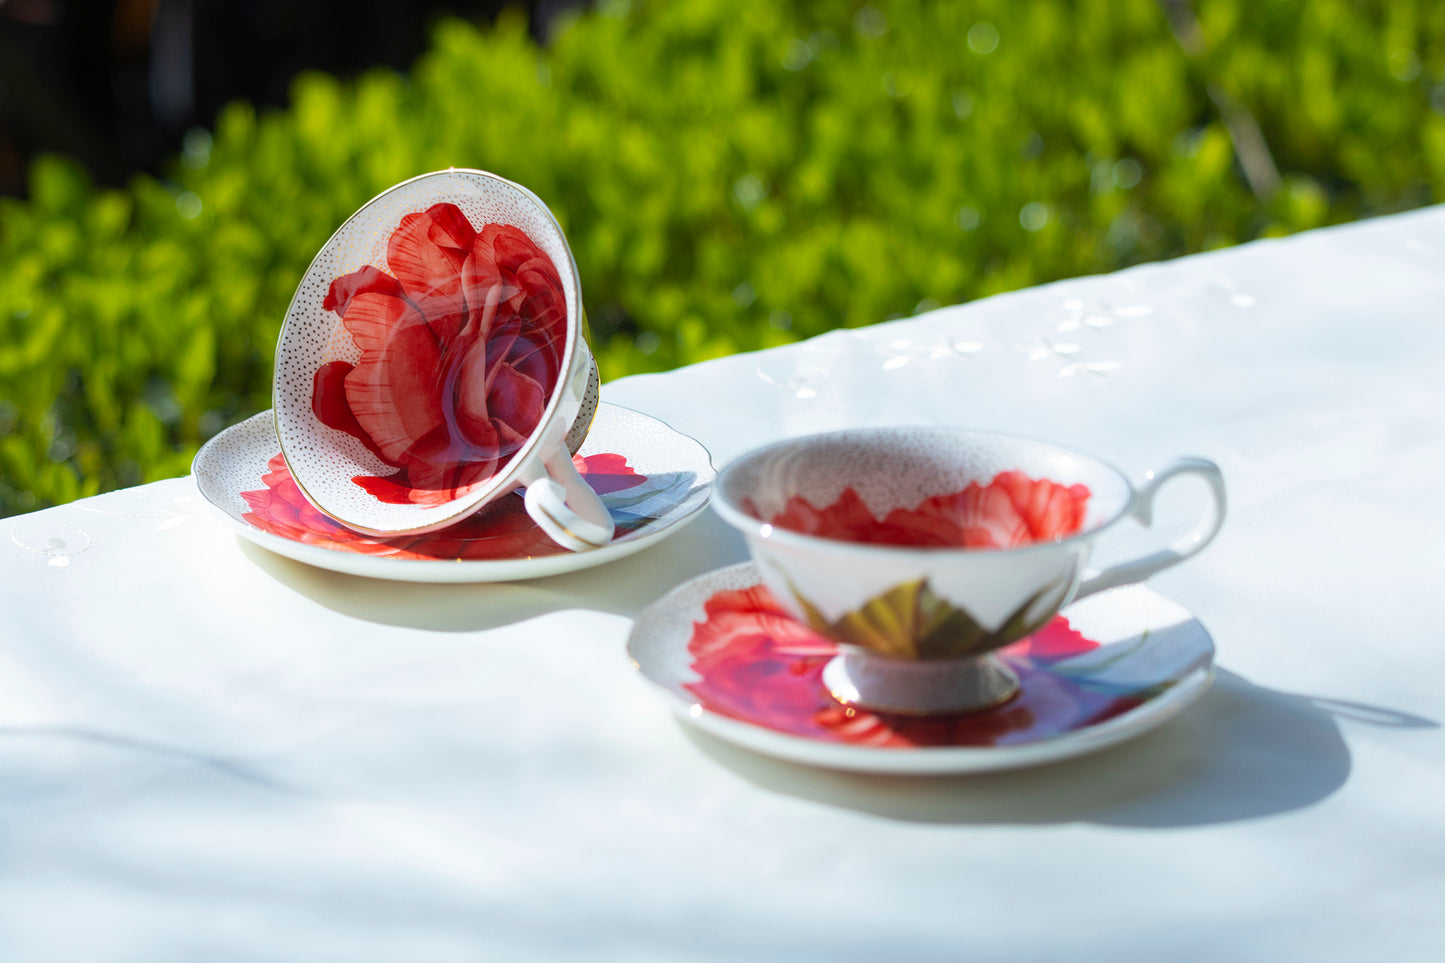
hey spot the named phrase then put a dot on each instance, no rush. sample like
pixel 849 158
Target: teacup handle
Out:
pixel 565 507
pixel 1137 570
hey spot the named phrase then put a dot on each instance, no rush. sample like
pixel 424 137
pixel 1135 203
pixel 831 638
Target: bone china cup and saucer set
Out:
pixel 918 599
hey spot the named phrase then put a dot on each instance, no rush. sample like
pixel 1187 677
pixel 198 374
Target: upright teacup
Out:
pixel 434 358
pixel 922 550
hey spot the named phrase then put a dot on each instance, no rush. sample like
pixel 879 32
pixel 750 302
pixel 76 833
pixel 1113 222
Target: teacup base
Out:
pixel 857 677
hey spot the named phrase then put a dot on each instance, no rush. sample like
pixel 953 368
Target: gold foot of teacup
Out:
pixel 860 678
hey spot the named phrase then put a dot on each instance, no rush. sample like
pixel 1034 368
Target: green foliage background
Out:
pixel 732 174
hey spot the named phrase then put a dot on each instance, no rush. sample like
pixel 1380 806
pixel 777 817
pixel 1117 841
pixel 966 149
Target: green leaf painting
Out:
pixel 911 621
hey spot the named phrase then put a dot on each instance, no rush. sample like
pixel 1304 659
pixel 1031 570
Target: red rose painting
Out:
pixel 751 653
pixel 1010 510
pixel 461 350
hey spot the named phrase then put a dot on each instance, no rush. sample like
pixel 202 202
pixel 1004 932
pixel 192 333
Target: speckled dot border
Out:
pixel 937 460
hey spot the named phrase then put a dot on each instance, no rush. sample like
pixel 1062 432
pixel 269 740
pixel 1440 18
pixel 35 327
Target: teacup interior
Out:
pixel 829 485
pixel 403 383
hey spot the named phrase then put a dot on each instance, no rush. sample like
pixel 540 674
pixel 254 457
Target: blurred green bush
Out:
pixel 732 174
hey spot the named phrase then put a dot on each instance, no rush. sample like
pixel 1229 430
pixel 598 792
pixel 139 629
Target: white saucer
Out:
pixel 734 664
pixel 239 472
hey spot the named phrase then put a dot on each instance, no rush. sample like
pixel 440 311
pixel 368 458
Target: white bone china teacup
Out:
pixel 434 358
pixel 922 550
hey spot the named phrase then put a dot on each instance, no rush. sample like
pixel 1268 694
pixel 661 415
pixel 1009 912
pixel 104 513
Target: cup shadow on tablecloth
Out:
pixel 622 587
pixel 1242 752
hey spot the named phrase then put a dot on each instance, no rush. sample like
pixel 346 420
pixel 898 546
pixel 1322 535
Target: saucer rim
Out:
pixel 925 760
pixel 459 570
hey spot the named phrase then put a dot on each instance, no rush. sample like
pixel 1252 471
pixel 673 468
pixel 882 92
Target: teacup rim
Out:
pixel 466 504
pixel 740 519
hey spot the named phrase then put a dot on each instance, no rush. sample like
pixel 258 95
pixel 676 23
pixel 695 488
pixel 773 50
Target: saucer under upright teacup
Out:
pixel 729 659
pixel 920 551
pixel 434 359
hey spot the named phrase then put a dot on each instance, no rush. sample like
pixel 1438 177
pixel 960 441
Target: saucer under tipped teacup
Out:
pixel 434 358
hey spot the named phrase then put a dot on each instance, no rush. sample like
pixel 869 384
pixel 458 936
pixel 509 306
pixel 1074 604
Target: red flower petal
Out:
pixel 484 286
pixel 990 520
pixel 607 473
pixel 426 251
pixel 533 288
pixel 1048 509
pixel 937 521
pixel 511 439
pixel 847 518
pixel 393 391
pixel 1055 641
pixel 752 611
pixel 530 356
pixel 1011 510
pixel 367 280
pixel 282 510
pixel 389 489
pixel 469 402
pixel 331 407
pixel 517 401
pixel 511 249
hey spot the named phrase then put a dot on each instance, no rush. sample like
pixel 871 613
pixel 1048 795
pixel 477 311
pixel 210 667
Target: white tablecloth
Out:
pixel 211 753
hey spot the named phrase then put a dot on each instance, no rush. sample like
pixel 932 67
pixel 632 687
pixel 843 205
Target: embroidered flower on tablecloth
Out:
pixel 461 350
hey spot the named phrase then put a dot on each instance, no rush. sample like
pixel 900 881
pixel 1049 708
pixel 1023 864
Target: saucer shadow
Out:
pixel 1241 752
pixel 622 587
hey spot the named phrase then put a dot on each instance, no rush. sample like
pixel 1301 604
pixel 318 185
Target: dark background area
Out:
pixel 117 83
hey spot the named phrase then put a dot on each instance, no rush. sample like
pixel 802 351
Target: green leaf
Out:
pixel 911 621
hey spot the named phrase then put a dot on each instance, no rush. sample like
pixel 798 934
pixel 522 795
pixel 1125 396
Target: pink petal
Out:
pixel 510 246
pixel 367 280
pixel 847 519
pixel 1049 509
pixel 500 339
pixel 390 489
pixel 473 417
pixel 990 520
pixel 607 473
pixel 511 440
pixel 538 278
pixel 936 521
pixel 516 401
pixel 393 390
pixel 486 290
pixel 331 407
pixel 530 358
pixel 426 252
